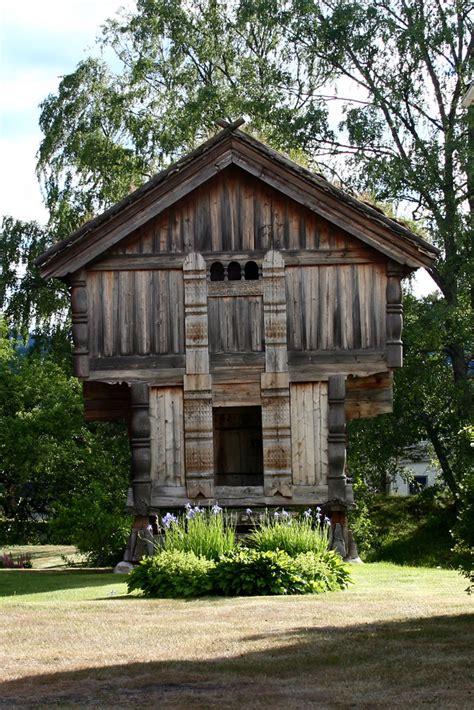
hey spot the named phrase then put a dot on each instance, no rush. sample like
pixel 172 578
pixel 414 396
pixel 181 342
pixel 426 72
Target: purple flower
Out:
pixel 285 514
pixel 168 520
pixel 327 521
pixel 248 511
pixel 216 509
pixel 190 513
pixel 276 515
pixel 318 508
pixel 307 513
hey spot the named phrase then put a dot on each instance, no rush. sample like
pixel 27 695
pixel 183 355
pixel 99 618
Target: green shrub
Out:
pixel 172 574
pixel 207 533
pixel 326 572
pixel 293 535
pixel 463 531
pixel 96 525
pixel 249 572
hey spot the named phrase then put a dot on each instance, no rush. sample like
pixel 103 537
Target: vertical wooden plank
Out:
pixel 126 308
pixel 108 290
pixel 215 217
pixel 308 434
pixel 142 317
pixel 246 206
pixel 323 425
pixel 356 326
pixel 323 307
pixel 166 427
pixel 80 325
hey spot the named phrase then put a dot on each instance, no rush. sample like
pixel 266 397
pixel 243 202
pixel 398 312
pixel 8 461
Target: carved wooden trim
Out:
pixel 337 438
pixel 276 434
pixel 234 288
pixel 198 436
pixel 141 452
pixel 394 316
pixel 195 315
pixel 80 326
pixel 275 385
pixel 274 312
pixel 198 426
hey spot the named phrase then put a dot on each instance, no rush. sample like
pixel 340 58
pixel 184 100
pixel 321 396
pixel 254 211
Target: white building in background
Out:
pixel 419 472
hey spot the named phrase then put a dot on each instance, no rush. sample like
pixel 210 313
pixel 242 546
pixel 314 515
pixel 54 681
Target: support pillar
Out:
pixel 198 424
pixel 275 386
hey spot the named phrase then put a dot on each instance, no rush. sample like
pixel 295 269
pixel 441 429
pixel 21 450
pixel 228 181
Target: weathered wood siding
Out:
pixel 235 324
pixel 336 307
pixel 167 436
pixel 309 432
pixel 135 313
pixel 236 212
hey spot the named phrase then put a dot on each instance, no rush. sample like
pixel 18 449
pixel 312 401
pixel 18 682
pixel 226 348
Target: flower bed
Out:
pixel 283 554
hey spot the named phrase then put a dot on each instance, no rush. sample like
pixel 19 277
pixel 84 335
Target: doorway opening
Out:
pixel 238 446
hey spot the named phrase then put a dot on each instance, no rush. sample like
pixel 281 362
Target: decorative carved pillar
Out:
pixel 276 427
pixel 80 330
pixel 198 428
pixel 141 453
pixel 337 438
pixel 394 315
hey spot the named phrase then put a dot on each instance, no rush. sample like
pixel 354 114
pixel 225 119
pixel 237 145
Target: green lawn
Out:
pixel 398 636
pixel 45 556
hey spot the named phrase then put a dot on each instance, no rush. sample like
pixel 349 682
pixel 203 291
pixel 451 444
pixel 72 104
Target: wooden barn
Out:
pixel 237 310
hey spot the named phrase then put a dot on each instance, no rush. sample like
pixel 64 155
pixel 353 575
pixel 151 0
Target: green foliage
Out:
pixel 94 521
pixel 413 530
pixel 292 535
pixel 28 303
pixel 463 530
pixel 249 572
pixel 206 533
pixel 172 574
pixel 25 532
pixel 324 571
pixel 53 464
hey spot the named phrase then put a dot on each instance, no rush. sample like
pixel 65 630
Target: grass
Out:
pixel 398 636
pixel 45 556
pixel 414 530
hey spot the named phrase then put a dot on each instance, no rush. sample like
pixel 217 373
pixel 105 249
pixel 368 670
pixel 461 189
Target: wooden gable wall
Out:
pixel 335 285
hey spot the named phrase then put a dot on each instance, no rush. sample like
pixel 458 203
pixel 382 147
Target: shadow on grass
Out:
pixel 414 662
pixel 23 582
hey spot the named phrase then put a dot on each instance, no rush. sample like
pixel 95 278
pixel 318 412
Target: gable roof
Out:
pixel 233 146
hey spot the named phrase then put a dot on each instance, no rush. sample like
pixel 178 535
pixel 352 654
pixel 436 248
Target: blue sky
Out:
pixel 40 41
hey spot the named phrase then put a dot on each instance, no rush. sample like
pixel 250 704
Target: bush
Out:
pixel 294 536
pixel 463 532
pixel 253 573
pixel 172 574
pixel 207 533
pixel 27 532
pixel 95 524
pixel 326 572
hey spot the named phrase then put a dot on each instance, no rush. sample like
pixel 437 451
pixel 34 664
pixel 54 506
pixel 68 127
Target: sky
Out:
pixel 41 41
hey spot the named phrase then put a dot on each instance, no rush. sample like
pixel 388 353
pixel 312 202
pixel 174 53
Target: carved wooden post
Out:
pixel 141 454
pixel 198 427
pixel 275 386
pixel 80 330
pixel 394 316
pixel 336 438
